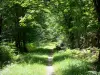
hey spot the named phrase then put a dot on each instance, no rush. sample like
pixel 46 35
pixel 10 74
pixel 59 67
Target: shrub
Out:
pixel 30 47
pixel 6 54
pixel 71 67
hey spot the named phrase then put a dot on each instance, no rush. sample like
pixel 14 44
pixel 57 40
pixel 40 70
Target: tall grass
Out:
pixel 24 69
pixel 75 62
pixel 71 67
pixel 32 63
pixel 31 58
pixel 85 55
pixel 27 64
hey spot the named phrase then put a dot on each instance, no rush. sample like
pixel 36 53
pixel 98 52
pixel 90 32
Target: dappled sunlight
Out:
pixel 54 37
pixel 50 45
pixel 61 57
pixel 85 55
pixel 32 58
pixel 74 62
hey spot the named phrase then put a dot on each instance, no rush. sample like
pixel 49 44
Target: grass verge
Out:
pixel 31 58
pixel 71 67
pixel 75 62
pixel 24 69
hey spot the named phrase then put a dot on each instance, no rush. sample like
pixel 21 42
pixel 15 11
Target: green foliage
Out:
pixel 76 62
pixel 71 67
pixel 24 69
pixel 38 55
pixel 84 55
pixel 6 54
pixel 32 58
pixel 30 24
pixel 71 21
pixel 30 47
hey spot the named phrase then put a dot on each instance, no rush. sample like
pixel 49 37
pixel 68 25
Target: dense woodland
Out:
pixel 70 26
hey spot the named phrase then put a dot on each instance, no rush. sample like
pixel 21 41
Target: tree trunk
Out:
pixel 17 34
pixel 97 8
pixel 0 28
pixel 24 42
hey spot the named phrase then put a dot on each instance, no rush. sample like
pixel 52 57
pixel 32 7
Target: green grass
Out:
pixel 27 64
pixel 50 45
pixel 74 62
pixel 71 67
pixel 42 51
pixel 24 69
pixel 75 54
pixel 31 58
pixel 69 62
pixel 33 63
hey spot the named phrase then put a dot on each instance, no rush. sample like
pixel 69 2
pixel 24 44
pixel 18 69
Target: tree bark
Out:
pixel 97 8
pixel 0 28
pixel 24 41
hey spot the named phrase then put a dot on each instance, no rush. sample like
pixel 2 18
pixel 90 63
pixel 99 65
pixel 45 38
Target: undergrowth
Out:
pixel 75 62
pixel 24 69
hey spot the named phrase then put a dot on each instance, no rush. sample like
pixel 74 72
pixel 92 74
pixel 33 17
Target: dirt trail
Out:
pixel 50 69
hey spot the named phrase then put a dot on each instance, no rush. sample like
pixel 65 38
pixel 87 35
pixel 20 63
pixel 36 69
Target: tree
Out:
pixel 0 27
pixel 97 8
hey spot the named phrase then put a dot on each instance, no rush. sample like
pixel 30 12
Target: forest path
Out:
pixel 50 68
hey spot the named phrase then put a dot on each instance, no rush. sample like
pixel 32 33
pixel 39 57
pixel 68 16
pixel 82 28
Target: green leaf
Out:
pixel 47 10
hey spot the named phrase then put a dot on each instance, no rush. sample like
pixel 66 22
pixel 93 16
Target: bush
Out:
pixel 71 67
pixel 6 54
pixel 30 47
